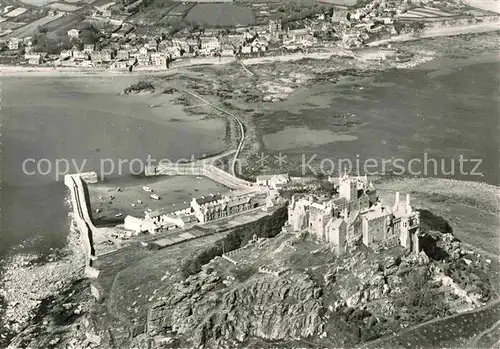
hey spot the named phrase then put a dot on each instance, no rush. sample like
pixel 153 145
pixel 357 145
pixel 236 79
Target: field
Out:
pixel 131 277
pixel 60 26
pixel 454 332
pixel 223 14
pixel 16 12
pixel 487 5
pixel 470 208
pixel 339 2
pixel 38 3
pixel 30 28
pixel 64 7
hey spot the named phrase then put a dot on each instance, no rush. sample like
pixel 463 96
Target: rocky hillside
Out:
pixel 293 287
pixel 208 310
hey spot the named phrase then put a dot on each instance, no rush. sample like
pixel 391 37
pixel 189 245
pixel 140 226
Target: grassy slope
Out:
pixel 471 208
pixel 456 332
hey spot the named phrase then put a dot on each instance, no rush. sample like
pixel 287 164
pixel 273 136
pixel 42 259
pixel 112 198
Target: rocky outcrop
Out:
pixel 209 313
pixel 140 87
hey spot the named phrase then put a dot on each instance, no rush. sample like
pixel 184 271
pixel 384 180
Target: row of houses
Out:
pixel 201 210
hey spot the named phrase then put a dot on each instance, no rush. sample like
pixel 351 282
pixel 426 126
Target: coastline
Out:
pixel 17 70
pixel 27 285
pixel 445 31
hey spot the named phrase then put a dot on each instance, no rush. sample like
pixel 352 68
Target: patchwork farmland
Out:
pixel 222 14
pixel 425 13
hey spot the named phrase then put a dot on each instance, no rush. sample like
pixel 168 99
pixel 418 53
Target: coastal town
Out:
pixel 109 36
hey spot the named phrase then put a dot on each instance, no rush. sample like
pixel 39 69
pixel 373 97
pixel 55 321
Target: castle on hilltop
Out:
pixel 356 215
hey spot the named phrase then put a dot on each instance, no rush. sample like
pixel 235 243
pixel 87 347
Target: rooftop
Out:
pixel 207 199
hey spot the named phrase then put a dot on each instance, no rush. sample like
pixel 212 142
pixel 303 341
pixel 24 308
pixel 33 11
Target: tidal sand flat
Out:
pixel 406 114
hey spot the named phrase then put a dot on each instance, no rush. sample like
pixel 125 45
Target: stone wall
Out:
pixel 84 224
pixel 203 169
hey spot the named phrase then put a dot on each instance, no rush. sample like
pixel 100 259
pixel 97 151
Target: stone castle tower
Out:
pixel 348 187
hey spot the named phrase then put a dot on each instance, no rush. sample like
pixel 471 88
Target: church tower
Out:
pixel 348 187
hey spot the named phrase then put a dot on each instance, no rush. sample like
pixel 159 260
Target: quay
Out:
pixel 80 202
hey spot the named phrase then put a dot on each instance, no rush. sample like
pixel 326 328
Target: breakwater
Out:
pixel 81 206
pixel 199 169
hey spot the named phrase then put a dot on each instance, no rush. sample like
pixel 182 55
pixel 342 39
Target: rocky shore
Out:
pixel 30 286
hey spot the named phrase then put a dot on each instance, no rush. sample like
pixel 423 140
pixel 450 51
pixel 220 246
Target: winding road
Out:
pixel 240 124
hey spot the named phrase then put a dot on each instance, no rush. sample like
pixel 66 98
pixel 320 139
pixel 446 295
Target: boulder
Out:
pixel 423 259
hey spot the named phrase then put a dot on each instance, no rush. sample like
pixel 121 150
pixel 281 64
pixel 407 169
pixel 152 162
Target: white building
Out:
pixel 210 43
pixel 13 44
pixel 33 58
pixel 273 181
pixel 139 225
pixel 88 48
pixel 65 54
pixel 158 59
pixel 73 33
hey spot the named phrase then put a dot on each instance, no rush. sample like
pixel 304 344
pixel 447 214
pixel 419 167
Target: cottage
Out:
pixel 33 58
pixel 65 54
pixel 120 64
pixel 143 59
pixel 159 59
pixel 227 50
pixel 81 55
pixel 299 35
pixel 168 220
pixel 209 43
pixel 13 44
pixel 122 55
pixel 88 48
pixel 139 225
pixel 73 33
pixel 272 181
pixel 151 45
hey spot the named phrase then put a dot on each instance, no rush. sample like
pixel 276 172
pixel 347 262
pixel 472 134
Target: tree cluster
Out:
pixel 266 227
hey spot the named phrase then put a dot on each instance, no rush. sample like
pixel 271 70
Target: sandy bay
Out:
pixel 83 119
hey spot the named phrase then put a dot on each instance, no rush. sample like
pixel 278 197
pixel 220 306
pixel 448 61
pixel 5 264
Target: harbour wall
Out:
pixel 207 170
pixel 81 206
